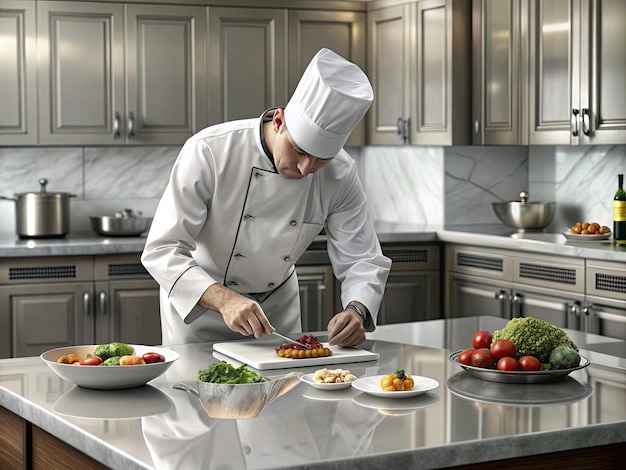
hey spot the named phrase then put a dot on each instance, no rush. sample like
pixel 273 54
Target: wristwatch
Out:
pixel 358 310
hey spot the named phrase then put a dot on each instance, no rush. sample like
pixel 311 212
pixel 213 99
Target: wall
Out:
pixel 423 185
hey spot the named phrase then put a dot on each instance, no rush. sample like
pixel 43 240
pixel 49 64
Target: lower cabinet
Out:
pixel 605 303
pixel 52 302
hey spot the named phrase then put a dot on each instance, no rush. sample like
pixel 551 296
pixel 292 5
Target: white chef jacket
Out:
pixel 227 216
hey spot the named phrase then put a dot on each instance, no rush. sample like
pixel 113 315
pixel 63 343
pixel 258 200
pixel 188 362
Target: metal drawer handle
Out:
pixel 575 113
pixel 86 302
pixel 586 115
pixel 103 302
pixel 131 125
pixel 116 125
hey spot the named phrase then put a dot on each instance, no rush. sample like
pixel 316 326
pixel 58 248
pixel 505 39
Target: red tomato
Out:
pixel 151 357
pixel 507 363
pixel 529 363
pixel 482 358
pixel 482 339
pixel 465 356
pixel 91 361
pixel 502 348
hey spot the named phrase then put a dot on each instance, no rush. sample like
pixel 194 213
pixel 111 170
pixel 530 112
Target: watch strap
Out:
pixel 358 310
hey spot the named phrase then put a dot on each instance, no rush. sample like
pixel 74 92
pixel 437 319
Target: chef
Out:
pixel 244 201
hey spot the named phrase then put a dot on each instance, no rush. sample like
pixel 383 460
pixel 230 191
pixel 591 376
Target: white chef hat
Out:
pixel 331 98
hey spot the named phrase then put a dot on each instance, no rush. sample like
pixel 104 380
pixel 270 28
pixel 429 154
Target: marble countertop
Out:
pixel 496 236
pixel 463 421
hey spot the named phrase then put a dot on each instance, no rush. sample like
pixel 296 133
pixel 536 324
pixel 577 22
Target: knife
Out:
pixel 287 338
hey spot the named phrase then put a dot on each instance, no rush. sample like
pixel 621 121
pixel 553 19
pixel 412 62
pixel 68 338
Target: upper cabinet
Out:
pixel 577 67
pixel 97 87
pixel 18 73
pixel 419 56
pixel 498 71
pixel 247 62
pixel 341 31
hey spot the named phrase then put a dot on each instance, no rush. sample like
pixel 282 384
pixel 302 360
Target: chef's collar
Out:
pixel 267 116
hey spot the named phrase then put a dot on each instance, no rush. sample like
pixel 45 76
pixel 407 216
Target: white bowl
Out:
pixel 108 377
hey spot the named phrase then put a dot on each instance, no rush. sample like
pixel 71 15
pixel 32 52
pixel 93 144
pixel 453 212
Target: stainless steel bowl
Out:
pixel 233 401
pixel 525 216
pixel 113 226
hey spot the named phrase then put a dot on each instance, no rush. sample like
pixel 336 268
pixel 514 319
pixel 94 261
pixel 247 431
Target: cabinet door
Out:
pixel 388 36
pixel 410 296
pixel 128 311
pixel 46 316
pixel 81 87
pixel 341 31
pixel 18 93
pixel 247 62
pixel 165 73
pixel 316 296
pixel 562 309
pixel 497 70
pixel 468 296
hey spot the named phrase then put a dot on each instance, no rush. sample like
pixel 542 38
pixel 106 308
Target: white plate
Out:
pixel 108 377
pixel 586 238
pixel 371 386
pixel 391 407
pixel 308 379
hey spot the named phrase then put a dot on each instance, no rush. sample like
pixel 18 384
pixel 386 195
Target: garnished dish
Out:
pixel 587 232
pixel 329 379
pixel 526 350
pixel 399 381
pixel 372 385
pixel 109 366
pixel 297 351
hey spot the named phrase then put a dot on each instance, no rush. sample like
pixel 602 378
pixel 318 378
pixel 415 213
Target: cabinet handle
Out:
pixel 586 115
pixel 516 302
pixel 103 302
pixel 86 302
pixel 116 125
pixel 476 126
pixel 403 129
pixel 500 295
pixel 131 125
pixel 575 113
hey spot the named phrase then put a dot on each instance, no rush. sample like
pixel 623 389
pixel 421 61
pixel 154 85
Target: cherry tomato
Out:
pixel 465 356
pixel 151 357
pixel 91 361
pixel 482 358
pixel 529 363
pixel 502 348
pixel 507 363
pixel 482 339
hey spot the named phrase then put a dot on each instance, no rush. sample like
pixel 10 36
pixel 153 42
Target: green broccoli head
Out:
pixel 112 361
pixel 533 337
pixel 105 351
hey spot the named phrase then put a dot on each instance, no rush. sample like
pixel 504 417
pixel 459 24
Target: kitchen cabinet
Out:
pixel 498 68
pixel 419 65
pixel 317 296
pixel 247 61
pixel 341 31
pixel 103 69
pixel 18 73
pixel 576 68
pixel 511 284
pixel 605 302
pixel 51 302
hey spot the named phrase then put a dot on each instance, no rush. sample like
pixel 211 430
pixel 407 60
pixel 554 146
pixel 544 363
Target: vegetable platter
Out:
pixel 517 376
pixel 108 377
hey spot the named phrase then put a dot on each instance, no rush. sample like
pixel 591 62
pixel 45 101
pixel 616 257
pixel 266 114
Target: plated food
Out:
pixel 587 231
pixel 108 378
pixel 329 379
pixel 371 386
pixel 297 351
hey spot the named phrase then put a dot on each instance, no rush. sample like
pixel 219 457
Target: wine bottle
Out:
pixel 619 213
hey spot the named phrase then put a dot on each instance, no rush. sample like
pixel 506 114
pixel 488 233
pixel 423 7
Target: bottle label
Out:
pixel 619 211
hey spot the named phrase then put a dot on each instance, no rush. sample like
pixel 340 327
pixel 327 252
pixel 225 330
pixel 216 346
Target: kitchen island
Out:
pixel 463 422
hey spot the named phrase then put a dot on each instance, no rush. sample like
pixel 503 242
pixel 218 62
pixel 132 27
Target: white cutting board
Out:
pixel 263 356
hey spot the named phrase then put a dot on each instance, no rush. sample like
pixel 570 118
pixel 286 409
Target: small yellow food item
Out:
pixel 304 353
pixel 589 228
pixel 131 360
pixel 68 359
pixel 397 382
pixel 328 376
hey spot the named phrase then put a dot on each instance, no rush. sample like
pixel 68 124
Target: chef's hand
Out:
pixel 346 329
pixel 240 313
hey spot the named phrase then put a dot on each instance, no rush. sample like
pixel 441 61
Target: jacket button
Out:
pixel 286 258
pixel 293 223
pixel 248 216
pixel 231 283
pixel 238 255
pixel 271 284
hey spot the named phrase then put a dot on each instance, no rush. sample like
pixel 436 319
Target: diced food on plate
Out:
pixel 297 351
pixel 333 376
pixel 399 381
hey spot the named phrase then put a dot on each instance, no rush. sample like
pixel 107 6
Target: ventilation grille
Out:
pixel 547 273
pixel 407 256
pixel 480 262
pixel 130 269
pixel 43 272
pixel 611 283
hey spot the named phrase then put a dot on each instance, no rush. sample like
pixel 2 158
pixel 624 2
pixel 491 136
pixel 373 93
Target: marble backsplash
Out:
pixel 423 185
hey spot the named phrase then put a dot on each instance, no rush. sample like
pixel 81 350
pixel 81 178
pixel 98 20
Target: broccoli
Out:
pixel 105 351
pixel 225 373
pixel 533 337
pixel 112 361
pixel 564 357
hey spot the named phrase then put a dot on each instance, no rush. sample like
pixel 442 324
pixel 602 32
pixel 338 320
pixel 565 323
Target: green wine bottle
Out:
pixel 619 213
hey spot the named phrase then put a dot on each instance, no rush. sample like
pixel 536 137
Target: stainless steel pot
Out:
pixel 524 215
pixel 42 214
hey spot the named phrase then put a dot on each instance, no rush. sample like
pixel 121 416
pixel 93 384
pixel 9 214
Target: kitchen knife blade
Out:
pixel 287 338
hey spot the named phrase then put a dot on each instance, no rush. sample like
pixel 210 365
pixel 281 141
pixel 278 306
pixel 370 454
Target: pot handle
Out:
pixel 185 387
pixel 8 198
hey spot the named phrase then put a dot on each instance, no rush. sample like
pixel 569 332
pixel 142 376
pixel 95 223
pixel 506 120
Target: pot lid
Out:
pixel 43 193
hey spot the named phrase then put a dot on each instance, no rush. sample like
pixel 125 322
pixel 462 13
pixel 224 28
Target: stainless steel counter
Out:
pixel 468 421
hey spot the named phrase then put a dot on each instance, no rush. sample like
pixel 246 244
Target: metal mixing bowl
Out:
pixel 525 216
pixel 113 226
pixel 233 401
